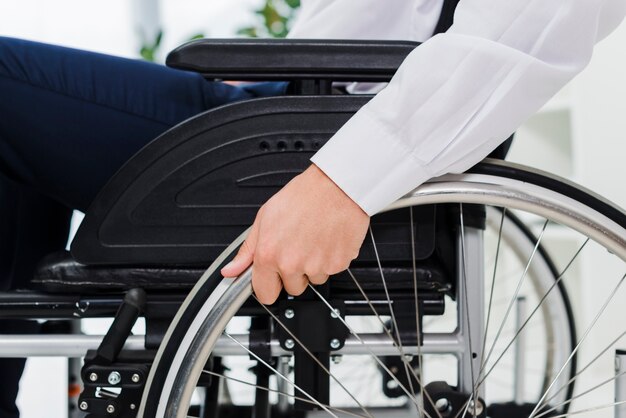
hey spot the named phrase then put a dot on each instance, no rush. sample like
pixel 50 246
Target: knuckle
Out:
pixel 289 267
pixel 264 256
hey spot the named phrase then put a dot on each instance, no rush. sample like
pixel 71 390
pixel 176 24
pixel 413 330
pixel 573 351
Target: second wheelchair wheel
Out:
pixel 501 344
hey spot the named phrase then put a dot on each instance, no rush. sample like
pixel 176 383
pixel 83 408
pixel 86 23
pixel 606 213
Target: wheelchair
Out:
pixel 457 305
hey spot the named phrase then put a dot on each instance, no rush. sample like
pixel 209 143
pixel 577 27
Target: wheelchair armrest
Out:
pixel 291 59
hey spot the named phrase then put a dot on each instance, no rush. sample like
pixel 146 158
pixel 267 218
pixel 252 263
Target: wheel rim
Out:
pixel 479 189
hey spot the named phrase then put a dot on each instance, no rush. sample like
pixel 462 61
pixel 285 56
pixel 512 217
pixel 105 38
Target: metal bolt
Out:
pixel 289 344
pixel 476 408
pixel 93 377
pixel 135 378
pixel 83 406
pixel 132 406
pixel 335 343
pixel 110 409
pixel 442 405
pixel 334 313
pixel 289 313
pixel 114 378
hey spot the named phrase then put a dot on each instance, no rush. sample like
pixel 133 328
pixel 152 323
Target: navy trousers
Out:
pixel 68 120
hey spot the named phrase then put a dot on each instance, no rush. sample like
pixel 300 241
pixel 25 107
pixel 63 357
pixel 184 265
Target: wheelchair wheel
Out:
pixel 503 346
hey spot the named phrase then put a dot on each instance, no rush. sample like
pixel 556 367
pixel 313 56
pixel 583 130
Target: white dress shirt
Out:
pixel 458 95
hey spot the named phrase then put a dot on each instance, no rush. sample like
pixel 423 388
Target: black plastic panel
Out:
pixel 190 192
pixel 187 195
pixel 291 59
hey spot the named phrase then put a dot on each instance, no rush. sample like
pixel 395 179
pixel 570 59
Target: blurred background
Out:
pixel 580 134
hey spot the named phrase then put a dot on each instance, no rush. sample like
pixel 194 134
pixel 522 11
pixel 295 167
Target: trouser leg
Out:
pixel 32 225
pixel 68 120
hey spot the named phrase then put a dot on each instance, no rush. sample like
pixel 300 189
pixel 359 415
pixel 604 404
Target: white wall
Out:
pixel 115 26
pixel 103 26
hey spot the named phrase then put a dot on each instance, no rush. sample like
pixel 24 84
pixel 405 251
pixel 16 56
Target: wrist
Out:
pixel 318 176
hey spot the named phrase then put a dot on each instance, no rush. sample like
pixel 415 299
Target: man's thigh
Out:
pixel 69 118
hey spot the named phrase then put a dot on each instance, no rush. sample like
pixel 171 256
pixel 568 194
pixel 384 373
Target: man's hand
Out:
pixel 307 231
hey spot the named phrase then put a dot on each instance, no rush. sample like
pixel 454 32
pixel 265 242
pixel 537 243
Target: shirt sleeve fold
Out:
pixel 460 94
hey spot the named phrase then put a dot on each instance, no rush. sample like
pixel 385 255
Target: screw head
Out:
pixel 114 378
pixel 442 405
pixel 289 313
pixel 83 406
pixel 289 344
pixel 336 359
pixel 93 377
pixel 334 313
pixel 476 408
pixel 335 343
pixel 135 378
pixel 132 406
pixel 110 409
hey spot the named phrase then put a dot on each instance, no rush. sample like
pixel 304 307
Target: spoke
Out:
pixel 319 363
pixel 532 314
pixel 595 408
pixel 420 358
pixel 557 280
pixel 555 407
pixel 393 316
pixel 273 370
pixel 369 302
pixel 517 290
pixel 467 315
pixel 493 284
pixel 597 317
pixel 280 393
pixel 585 368
pixel 521 328
pixel 391 337
pixel 524 325
pixel 374 356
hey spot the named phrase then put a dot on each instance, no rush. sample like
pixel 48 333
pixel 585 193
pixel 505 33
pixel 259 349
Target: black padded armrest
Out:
pixel 291 59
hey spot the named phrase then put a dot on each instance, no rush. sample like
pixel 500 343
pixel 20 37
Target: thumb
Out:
pixel 244 256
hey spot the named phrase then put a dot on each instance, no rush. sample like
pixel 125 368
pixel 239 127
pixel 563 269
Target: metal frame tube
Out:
pixel 74 346
pixel 470 308
pixel 520 352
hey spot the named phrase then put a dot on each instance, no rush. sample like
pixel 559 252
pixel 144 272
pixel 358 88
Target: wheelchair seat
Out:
pixel 59 272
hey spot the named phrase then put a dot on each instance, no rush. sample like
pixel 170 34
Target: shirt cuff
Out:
pixel 371 165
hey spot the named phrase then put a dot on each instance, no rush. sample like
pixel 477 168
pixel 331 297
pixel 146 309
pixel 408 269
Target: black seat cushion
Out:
pixel 60 273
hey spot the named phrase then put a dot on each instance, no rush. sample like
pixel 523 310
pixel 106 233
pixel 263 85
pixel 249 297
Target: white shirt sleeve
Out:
pixel 460 94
